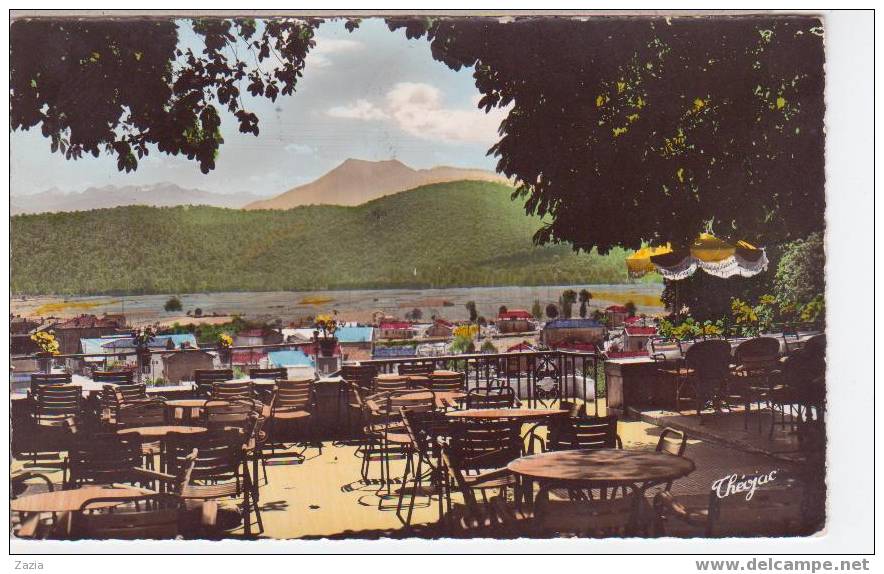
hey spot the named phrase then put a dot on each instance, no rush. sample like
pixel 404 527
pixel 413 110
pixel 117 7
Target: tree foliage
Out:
pixel 552 311
pixel 801 272
pixel 626 129
pixel 121 86
pixel 567 300
pixel 173 304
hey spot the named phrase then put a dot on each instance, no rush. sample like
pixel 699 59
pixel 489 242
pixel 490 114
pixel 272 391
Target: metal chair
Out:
pixel 708 364
pixel 480 450
pixel 448 383
pixel 220 470
pixel 422 369
pixel 232 390
pixel 387 383
pixel 46 379
pixel 499 397
pixel 291 412
pixel 756 360
pixel 205 377
pixel 155 516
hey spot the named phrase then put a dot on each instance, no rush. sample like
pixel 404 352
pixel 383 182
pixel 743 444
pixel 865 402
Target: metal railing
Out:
pixel 537 377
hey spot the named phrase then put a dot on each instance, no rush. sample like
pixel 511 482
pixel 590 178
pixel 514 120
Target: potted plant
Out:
pixel 324 334
pixel 48 345
pixel 225 341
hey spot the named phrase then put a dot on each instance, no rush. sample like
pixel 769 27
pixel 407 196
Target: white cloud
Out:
pixel 299 149
pixel 361 110
pixel 320 56
pixel 418 109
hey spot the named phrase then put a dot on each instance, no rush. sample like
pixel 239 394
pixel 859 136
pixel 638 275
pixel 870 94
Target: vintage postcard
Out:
pixel 450 276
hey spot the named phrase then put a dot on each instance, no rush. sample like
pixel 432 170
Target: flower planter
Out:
pixel 327 346
pixel 44 362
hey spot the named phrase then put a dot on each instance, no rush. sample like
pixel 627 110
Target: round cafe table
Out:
pixel 72 500
pixel 637 470
pixel 443 373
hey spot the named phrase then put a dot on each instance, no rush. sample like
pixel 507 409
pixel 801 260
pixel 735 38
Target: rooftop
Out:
pixel 573 324
pixel 395 325
pixel 515 314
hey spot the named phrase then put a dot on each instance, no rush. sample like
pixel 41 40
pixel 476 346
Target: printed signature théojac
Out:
pixel 731 484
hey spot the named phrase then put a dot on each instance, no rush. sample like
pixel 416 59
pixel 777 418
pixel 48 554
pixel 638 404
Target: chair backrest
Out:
pixel 274 374
pixel 131 393
pixel 491 398
pixel 453 382
pixel 219 455
pixel 205 377
pixel 710 359
pixel 142 414
pixel 44 379
pixel 423 427
pixel 485 444
pixel 229 414
pixel 815 352
pixel 418 369
pixel 58 402
pixel 758 354
pixel 293 395
pixel 388 384
pixel 103 459
pixel 672 441
pixel 454 465
pixel 361 375
pixel 233 390
pixel 119 377
pixel 662 345
pixel 417 401
pixel 150 516
pixel 583 433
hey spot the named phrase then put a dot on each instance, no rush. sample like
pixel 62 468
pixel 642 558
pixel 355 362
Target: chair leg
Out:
pixel 402 489
pixel 418 480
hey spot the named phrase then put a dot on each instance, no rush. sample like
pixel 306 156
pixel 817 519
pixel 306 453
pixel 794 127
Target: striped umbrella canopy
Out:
pixel 709 253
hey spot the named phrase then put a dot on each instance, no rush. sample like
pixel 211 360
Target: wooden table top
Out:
pixel 527 414
pixel 390 377
pixel 190 403
pixel 162 431
pixel 603 466
pixel 72 500
pixel 444 373
pixel 443 399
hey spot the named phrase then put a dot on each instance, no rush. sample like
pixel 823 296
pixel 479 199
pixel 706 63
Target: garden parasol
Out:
pixel 709 253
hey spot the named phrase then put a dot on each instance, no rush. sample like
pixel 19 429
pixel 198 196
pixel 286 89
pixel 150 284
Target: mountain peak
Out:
pixel 357 181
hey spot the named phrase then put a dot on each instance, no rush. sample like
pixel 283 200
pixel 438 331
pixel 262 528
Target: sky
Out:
pixel 371 94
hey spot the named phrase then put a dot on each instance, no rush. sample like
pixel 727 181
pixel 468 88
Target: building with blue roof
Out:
pixel 351 334
pixel 290 358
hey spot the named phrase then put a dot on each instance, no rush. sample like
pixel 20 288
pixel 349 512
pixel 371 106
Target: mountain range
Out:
pixel 357 181
pixel 353 182
pixel 163 194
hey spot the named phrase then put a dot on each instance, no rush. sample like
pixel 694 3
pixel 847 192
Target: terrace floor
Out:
pixel 322 497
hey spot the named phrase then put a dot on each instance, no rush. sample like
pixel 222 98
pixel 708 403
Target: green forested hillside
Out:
pixel 450 234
